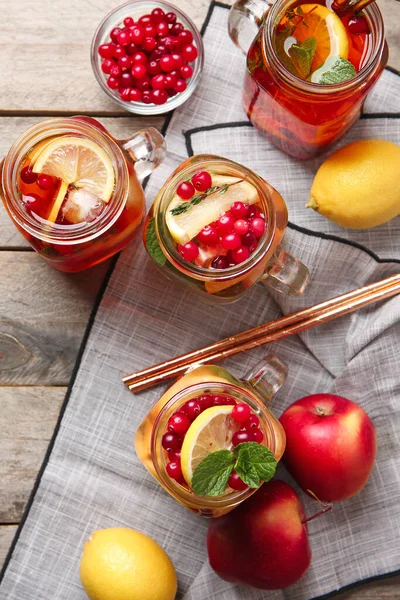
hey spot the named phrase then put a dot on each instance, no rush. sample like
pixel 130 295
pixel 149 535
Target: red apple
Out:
pixel 262 543
pixel 330 446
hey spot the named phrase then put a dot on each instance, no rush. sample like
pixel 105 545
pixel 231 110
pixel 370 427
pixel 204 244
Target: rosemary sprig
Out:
pixel 185 206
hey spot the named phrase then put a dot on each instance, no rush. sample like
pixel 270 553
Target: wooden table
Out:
pixel 45 71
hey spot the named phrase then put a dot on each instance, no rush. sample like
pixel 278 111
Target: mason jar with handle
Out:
pixel 202 388
pixel 296 114
pixel 74 192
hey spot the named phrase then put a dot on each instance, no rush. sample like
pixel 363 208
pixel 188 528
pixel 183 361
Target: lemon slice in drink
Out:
pixel 78 161
pixel 185 226
pixel 212 430
pixel 327 28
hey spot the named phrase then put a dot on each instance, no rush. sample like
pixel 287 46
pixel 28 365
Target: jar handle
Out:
pixel 267 376
pixel 244 21
pixel 285 274
pixel 147 149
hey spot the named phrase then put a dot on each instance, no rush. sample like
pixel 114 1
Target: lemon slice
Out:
pixel 327 28
pixel 185 226
pixel 212 430
pixel 77 161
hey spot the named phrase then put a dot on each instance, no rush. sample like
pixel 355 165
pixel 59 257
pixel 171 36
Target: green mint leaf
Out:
pixel 211 476
pixel 302 56
pixel 334 70
pixel 283 57
pixel 152 245
pixel 255 463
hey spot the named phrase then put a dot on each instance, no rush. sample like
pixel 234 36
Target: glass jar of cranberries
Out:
pixel 210 409
pixel 217 226
pixel 147 56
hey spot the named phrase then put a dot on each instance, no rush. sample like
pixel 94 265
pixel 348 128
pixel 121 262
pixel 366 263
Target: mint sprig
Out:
pixel 254 463
pixel 152 245
pixel 302 56
pixel 334 70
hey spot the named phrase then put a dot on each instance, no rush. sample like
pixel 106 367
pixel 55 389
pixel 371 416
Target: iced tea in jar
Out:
pixel 309 68
pixel 74 192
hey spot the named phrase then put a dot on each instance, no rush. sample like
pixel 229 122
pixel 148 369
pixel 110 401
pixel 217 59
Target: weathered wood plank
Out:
pixel 12 127
pixel 43 315
pixel 27 419
pixel 7 533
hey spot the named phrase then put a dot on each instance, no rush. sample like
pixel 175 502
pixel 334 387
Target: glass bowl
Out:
pixel 135 9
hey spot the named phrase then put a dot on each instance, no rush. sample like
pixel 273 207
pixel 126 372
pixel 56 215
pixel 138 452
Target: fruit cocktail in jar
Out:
pixel 217 226
pixel 209 415
pixel 309 68
pixel 73 191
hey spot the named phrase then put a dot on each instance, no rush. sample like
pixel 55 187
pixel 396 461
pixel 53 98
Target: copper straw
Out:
pixel 267 333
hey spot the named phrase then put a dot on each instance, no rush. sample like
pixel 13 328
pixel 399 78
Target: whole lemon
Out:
pixel 124 564
pixel 358 186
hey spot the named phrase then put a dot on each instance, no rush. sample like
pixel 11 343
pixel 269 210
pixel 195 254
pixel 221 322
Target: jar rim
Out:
pixel 273 17
pixel 186 496
pixel 266 242
pixel 101 36
pixel 64 234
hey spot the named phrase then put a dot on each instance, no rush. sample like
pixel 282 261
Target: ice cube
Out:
pixel 81 205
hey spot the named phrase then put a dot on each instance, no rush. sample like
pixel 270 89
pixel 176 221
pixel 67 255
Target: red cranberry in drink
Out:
pixel 148 44
pixel 220 262
pixel 230 241
pixel 208 236
pixel 252 422
pixel 33 202
pixel 139 58
pixel 128 21
pixel 241 412
pixel 171 441
pixel 180 85
pixel 137 34
pixel 106 50
pixel 192 409
pixel 357 24
pixel 202 181
pixel 45 182
pixel 174 470
pixel 135 95
pixel 257 226
pixel 239 210
pixel 236 483
pixel 185 37
pixel 185 190
pixel 114 34
pixel 228 401
pixel 258 436
pixel 186 71
pixel 189 53
pixel 153 68
pixel 206 401
pixel 175 456
pixel 225 223
pixel 189 251
pixel 253 211
pixel 170 18
pixel 179 423
pixel 28 176
pixel 241 227
pixel 248 239
pixel 239 437
pixel 241 254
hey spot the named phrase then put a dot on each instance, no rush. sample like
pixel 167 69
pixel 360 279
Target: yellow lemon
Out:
pixel 358 186
pixel 124 564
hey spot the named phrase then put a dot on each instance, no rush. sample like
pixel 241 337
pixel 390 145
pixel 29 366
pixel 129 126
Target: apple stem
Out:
pixel 325 508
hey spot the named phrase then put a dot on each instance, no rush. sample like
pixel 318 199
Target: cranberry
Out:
pixel 119 51
pixel 174 470
pixel 239 210
pixel 258 436
pixel 125 94
pixel 106 50
pixel 162 29
pixel 189 251
pixel 189 53
pixel 171 92
pixel 114 34
pixel 239 437
pixel 231 241
pixel 139 58
pixel 253 246
pixel 186 71
pixel 179 423
pixel 241 412
pixel 252 422
pixel 241 227
pixel 241 254
pixel 167 63
pixel 192 408
pixel 128 21
pixel 144 83
pixel 126 81
pixel 146 97
pixel 107 65
pixel 236 483
pixel 45 182
pixel 171 42
pixel 157 15
pixel 185 37
pixel 171 441
pixel 170 81
pixel 218 400
pixel 202 181
pixel 115 71
pixel 150 31
pixel 180 85
pixel 225 223
pixel 158 82
pixel 113 82
pixel 137 34
pixel 206 401
pixel 185 190
pixel 27 175
pixel 124 38
pixel 253 211
pixel 178 60
pixel 138 71
pixel 170 17
pixel 148 44
pixel 208 236
pixel 220 262
pixel 153 68
pixel 357 24
pixel 146 20
pixel 177 28
pixel 257 226
pixel 248 238
pixel 131 49
pixel 135 95
pixel 227 401
pixel 125 63
pixel 33 202
pixel 175 456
